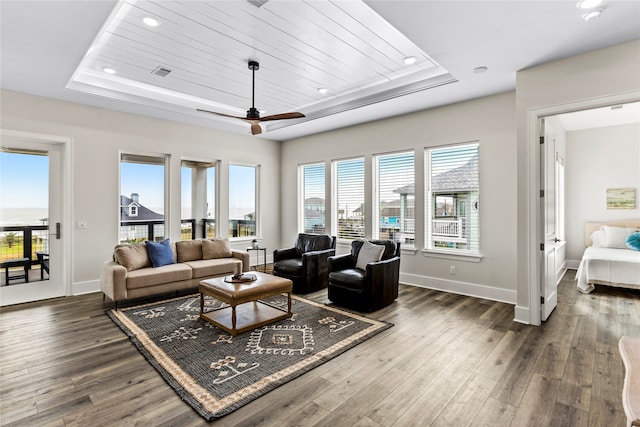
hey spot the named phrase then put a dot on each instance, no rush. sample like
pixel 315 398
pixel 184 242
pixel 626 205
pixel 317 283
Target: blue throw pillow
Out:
pixel 160 253
pixel 633 241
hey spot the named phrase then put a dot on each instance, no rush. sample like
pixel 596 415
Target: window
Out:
pixel 395 197
pixel 242 201
pixel 349 199
pixel 198 187
pixel 453 194
pixel 142 202
pixel 313 203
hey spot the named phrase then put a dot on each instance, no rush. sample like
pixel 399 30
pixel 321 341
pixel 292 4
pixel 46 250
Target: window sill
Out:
pixel 432 253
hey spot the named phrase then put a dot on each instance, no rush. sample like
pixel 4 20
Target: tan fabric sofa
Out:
pixel 131 275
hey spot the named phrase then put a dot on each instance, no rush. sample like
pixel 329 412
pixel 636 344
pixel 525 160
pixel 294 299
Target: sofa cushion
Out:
pixel 157 276
pixel 160 253
pixel 132 257
pixel 214 267
pixel 189 250
pixel 216 248
pixel 312 242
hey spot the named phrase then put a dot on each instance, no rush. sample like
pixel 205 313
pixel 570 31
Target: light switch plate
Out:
pixel 81 225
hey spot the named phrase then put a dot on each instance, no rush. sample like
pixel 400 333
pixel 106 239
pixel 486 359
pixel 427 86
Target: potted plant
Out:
pixel 254 244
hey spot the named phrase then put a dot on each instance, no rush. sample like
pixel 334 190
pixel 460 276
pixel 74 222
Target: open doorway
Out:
pixel 588 151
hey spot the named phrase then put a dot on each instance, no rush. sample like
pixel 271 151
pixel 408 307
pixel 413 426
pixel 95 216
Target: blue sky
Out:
pixel 24 180
pixel 146 180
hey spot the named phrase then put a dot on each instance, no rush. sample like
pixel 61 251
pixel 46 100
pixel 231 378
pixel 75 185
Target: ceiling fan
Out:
pixel 253 115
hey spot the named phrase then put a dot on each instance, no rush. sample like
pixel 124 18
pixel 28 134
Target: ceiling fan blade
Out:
pixel 282 116
pixel 255 128
pixel 221 114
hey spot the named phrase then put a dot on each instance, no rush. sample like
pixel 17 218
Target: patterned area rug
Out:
pixel 216 373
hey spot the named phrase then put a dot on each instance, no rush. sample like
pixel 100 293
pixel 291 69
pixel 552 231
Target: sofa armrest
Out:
pixel 340 262
pixel 244 257
pixel 113 281
pixel 287 253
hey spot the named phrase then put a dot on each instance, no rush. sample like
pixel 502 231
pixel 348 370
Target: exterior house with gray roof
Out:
pixel 138 222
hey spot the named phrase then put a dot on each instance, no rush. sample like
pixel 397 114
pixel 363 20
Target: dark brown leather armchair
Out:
pixel 305 264
pixel 365 290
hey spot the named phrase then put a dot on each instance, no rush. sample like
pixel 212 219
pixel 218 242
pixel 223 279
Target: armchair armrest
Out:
pixel 382 274
pixel 341 262
pixel 315 254
pixel 287 253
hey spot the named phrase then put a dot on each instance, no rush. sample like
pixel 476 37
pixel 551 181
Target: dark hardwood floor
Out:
pixel 449 360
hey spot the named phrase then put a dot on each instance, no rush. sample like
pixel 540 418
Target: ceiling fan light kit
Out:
pixel 253 114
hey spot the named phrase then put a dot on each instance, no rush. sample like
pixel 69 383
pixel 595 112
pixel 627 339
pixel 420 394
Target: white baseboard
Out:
pixel 462 288
pixel 573 264
pixel 522 315
pixel 88 287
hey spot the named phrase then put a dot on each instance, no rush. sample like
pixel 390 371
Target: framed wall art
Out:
pixel 621 198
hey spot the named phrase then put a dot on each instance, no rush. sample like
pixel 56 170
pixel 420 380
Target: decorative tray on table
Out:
pixel 240 278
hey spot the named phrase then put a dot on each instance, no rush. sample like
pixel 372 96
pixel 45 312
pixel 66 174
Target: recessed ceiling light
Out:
pixel 410 60
pixel 151 22
pixel 323 90
pixel 591 15
pixel 109 70
pixel 588 4
pixel 480 70
pixel 262 111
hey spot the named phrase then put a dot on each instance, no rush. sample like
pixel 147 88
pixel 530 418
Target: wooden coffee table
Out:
pixel 245 311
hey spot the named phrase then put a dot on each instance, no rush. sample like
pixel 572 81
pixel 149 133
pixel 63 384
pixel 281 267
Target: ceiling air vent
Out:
pixel 161 71
pixel 257 3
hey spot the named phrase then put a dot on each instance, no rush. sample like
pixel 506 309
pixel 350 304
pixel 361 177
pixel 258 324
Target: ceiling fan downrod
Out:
pixel 253 113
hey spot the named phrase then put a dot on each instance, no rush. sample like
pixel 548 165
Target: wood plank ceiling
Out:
pixel 343 46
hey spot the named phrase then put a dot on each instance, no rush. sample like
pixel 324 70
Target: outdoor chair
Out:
pixel 43 260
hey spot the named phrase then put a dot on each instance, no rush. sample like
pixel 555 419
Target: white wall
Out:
pixel 98 137
pixel 489 120
pixel 589 80
pixel 598 159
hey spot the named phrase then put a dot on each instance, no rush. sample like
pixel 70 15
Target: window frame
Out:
pixel 335 199
pixel 377 217
pixel 159 159
pixel 257 216
pixel 302 198
pixel 472 254
pixel 199 195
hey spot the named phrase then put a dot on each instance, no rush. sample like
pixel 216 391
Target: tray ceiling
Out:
pixel 196 57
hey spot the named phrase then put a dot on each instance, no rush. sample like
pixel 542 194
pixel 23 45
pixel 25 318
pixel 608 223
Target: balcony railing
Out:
pixel 242 228
pixel 449 228
pixel 23 242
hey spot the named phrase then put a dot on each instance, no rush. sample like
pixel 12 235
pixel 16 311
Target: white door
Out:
pixel 548 292
pixel 31 213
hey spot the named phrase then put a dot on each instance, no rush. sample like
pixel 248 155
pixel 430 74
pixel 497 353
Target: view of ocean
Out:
pixel 23 216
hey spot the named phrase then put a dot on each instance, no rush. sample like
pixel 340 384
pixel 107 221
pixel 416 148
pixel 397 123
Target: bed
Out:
pixel 607 260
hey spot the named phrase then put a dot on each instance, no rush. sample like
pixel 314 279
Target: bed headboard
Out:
pixel 590 227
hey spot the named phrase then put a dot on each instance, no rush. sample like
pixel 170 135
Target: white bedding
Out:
pixel 607 266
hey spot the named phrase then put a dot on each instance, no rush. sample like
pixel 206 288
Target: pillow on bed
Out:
pixel 633 241
pixel 614 237
pixel 597 239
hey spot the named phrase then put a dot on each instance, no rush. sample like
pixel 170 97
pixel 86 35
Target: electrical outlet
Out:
pixel 452 269
pixel 81 225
